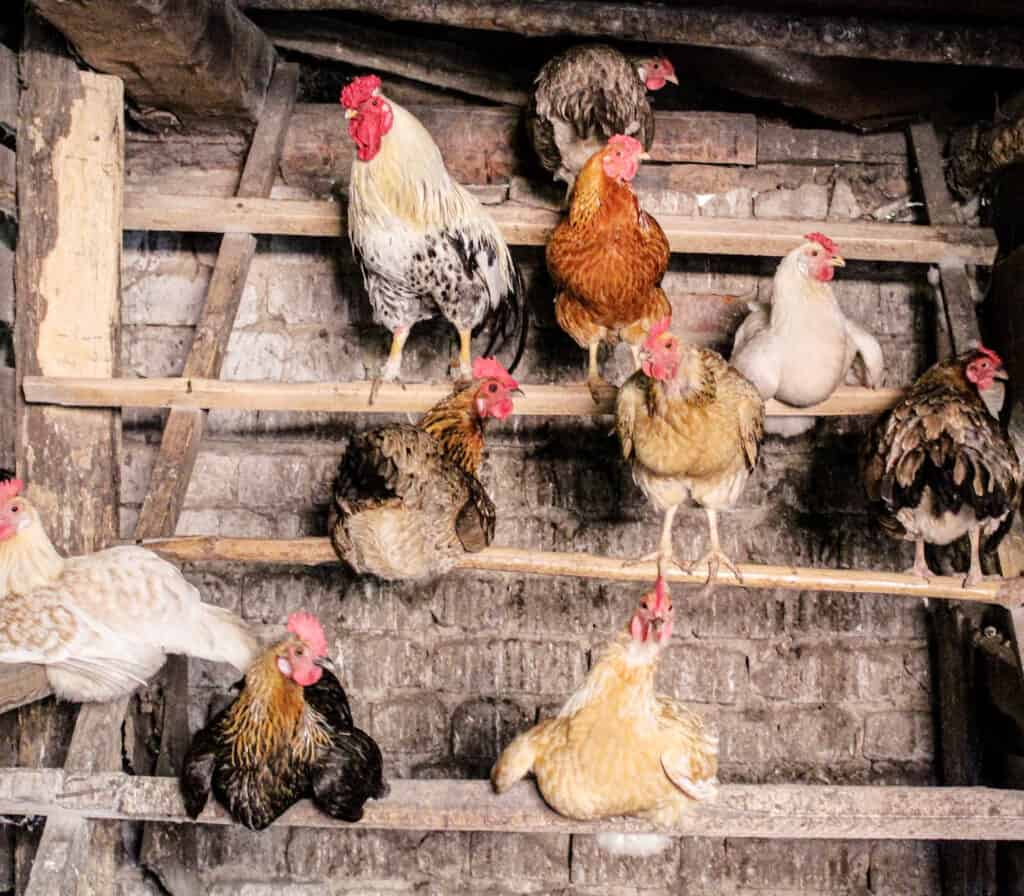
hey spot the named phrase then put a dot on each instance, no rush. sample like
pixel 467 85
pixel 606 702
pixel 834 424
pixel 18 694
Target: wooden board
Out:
pixel 525 226
pixel 786 811
pixel 316 551
pixel 538 400
pixel 8 92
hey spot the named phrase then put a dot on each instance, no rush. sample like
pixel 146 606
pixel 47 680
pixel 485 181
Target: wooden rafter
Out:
pixel 527 226
pixel 317 551
pixel 786 811
pixel 538 400
pixel 863 37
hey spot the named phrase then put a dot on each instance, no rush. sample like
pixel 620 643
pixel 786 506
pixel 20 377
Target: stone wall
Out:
pixel 804 686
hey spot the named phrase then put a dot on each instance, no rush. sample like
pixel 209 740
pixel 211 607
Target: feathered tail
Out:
pixel 218 635
pixel 509 322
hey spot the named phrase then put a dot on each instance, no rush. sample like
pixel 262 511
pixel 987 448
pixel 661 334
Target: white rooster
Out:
pixel 101 624
pixel 803 347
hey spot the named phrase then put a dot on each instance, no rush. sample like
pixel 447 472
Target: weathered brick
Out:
pixel 703 672
pixel 591 865
pixel 533 857
pixel 414 724
pixel 482 727
pixel 214 481
pixel 376 664
pixel 899 735
pixel 274 480
pixel 806 201
pixel 817 865
pixel 844 205
pixel 737 203
pixel 307 298
pixel 154 351
pixel 255 356
pixel 905 869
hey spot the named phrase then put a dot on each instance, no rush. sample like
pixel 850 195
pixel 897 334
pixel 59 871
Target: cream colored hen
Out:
pixel 803 347
pixel 617 747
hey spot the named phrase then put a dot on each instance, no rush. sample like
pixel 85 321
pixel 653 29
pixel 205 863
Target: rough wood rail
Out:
pixel 317 551
pixel 570 400
pixel 786 811
pixel 526 226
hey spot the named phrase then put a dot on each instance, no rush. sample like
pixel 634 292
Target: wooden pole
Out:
pixel 70 156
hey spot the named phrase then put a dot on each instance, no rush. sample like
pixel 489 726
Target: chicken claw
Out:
pixel 597 386
pixel 920 567
pixel 662 557
pixel 713 558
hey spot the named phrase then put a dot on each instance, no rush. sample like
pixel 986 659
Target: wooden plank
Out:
pixel 70 173
pixel 782 143
pixel 859 37
pixel 780 811
pixel 195 59
pixel 538 400
pixel 524 226
pixel 21 685
pixel 8 92
pixel 8 177
pixel 316 551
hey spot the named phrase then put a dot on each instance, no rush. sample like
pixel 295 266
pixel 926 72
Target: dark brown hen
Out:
pixel 939 466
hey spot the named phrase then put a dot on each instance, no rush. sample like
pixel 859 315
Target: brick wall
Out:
pixel 803 686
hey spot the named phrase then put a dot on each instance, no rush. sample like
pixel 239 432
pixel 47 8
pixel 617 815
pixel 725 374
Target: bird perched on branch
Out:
pixel 616 747
pixel 407 501
pixel 801 348
pixel 425 245
pixel 939 466
pixel 103 623
pixel 691 425
pixel 586 94
pixel 288 736
pixel 607 258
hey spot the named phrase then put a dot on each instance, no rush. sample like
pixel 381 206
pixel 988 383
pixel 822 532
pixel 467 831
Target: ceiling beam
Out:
pixel 863 37
pixel 197 59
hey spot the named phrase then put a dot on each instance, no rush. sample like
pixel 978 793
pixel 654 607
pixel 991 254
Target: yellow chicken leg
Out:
pixel 715 556
pixel 392 370
pixel 465 354
pixel 664 554
pixel 594 379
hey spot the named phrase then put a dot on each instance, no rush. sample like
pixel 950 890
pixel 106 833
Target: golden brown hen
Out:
pixel 607 258
pixel 407 501
pixel 939 466
pixel 616 747
pixel 691 425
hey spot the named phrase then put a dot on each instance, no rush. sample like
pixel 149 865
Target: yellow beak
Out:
pixel 672 79
pixel 837 261
pixel 644 156
pixel 351 113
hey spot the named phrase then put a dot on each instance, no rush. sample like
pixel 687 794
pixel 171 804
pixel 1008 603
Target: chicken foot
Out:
pixel 595 382
pixel 715 556
pixel 665 553
pixel 392 370
pixel 465 361
pixel 920 567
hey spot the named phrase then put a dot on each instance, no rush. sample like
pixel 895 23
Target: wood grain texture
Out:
pixel 8 91
pixel 317 551
pixel 538 400
pixel 859 37
pixel 786 811
pixel 526 226
pixel 20 685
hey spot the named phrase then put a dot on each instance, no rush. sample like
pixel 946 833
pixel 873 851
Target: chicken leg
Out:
pixel 974 574
pixel 392 370
pixel 664 554
pixel 920 567
pixel 715 556
pixel 465 363
pixel 595 382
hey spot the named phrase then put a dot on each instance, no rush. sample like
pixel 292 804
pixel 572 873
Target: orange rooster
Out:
pixel 616 747
pixel 607 258
pixel 691 425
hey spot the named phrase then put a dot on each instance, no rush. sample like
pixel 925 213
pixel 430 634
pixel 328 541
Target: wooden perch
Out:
pixel 435 62
pixel 316 551
pixel 858 37
pixel 22 684
pixel 571 400
pixel 781 811
pixel 523 226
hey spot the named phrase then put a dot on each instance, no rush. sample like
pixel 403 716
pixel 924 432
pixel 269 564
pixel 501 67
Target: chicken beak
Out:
pixel 325 662
pixel 1000 374
pixel 518 391
pixel 351 113
pixel 672 79
pixel 837 261
pixel 644 157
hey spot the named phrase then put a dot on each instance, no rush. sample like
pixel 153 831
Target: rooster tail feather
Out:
pixel 509 321
pixel 221 636
pixel 633 844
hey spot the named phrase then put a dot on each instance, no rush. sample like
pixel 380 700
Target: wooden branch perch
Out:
pixel 786 811
pixel 317 551
pixel 526 226
pixel 859 37
pixel 570 400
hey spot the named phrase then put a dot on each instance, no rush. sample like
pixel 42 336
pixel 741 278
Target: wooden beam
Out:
pixel 781 811
pixel 859 37
pixel 317 551
pixel 197 59
pixel 8 92
pixel 70 169
pixel 21 685
pixel 538 400
pixel 525 226
pixel 435 62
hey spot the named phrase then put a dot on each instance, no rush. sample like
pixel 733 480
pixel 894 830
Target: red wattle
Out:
pixel 654 82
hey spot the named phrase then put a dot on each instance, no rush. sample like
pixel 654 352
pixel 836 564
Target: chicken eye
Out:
pixel 15 508
pixel 492 388
pixel 300 651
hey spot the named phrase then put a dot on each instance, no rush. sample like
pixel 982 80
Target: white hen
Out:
pixel 803 347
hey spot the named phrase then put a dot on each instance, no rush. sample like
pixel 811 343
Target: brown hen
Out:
pixel 939 465
pixel 692 426
pixel 407 501
pixel 607 258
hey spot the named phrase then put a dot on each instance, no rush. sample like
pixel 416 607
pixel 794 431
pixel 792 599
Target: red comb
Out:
pixel 490 369
pixel 822 241
pixel 628 144
pixel 991 355
pixel 655 331
pixel 660 594
pixel 359 90
pixel 307 627
pixel 10 488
